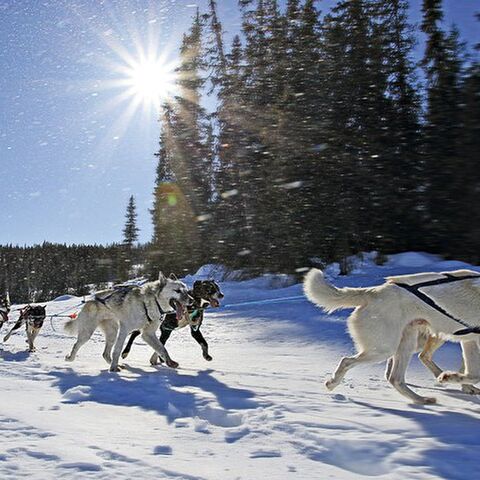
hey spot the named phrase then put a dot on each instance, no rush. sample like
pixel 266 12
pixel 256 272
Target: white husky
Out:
pixel 388 319
pixel 120 311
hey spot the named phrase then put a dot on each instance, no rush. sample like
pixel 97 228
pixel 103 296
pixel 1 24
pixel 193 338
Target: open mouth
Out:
pixel 214 302
pixel 178 307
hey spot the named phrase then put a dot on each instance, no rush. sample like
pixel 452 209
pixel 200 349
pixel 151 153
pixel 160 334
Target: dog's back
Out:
pixel 416 278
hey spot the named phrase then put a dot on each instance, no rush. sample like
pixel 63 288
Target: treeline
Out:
pixel 323 142
pixel 43 272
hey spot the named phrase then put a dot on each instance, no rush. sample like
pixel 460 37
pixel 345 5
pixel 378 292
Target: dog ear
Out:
pixel 162 277
pixel 173 277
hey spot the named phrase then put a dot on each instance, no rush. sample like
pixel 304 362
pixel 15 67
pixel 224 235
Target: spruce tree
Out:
pixel 469 145
pixel 443 67
pixel 175 233
pixel 130 230
pixel 125 258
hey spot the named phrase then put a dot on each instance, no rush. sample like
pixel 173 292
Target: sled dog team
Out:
pixel 390 322
pixel 128 309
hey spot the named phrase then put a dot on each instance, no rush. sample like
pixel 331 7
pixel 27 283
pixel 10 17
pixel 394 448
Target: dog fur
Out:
pixel 205 293
pixel 32 316
pixel 388 321
pixel 121 311
pixel 4 309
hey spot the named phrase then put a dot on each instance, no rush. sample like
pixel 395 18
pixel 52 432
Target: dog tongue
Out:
pixel 179 310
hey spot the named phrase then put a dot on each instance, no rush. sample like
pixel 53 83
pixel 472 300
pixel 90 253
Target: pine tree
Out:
pixel 175 233
pixel 443 67
pixel 130 230
pixel 356 124
pixel 468 218
pixel 192 139
pixel 401 140
pixel 125 258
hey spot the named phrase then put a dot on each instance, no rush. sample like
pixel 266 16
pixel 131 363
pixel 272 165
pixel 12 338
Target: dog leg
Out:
pixel 346 363
pixel 388 369
pixel 117 349
pixel 85 331
pixel 31 336
pixel 197 335
pixel 425 356
pixel 155 343
pixel 110 329
pixel 401 359
pixel 128 347
pixel 471 357
pixel 164 336
pixel 17 325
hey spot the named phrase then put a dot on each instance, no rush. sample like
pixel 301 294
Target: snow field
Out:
pixel 258 410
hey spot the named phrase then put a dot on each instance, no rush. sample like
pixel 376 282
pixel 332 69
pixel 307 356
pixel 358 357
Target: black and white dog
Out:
pixel 205 293
pixel 4 310
pixel 32 316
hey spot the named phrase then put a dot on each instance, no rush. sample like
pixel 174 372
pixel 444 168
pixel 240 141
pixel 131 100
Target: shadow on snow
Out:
pixel 169 393
pixel 457 435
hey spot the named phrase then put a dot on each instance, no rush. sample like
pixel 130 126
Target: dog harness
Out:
pixel 415 290
pixel 123 290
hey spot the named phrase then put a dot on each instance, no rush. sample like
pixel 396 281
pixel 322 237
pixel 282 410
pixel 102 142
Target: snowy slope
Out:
pixel 258 410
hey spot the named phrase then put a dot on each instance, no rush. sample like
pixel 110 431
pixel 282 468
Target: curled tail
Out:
pixel 331 298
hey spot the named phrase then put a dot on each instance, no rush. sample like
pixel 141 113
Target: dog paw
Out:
pixel 449 377
pixel 115 369
pixel 470 389
pixel 68 358
pixel 155 360
pixel 330 384
pixel 427 401
pixel 172 363
pixel 207 357
pixel 124 354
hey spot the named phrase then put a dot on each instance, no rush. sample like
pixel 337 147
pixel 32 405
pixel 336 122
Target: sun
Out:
pixel 151 81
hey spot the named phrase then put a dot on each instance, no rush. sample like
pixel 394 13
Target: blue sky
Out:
pixel 69 160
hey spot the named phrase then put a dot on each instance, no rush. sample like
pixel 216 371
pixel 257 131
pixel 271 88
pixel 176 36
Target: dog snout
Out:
pixel 204 303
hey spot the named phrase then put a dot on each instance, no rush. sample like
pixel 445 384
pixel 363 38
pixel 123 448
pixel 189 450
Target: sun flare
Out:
pixel 151 81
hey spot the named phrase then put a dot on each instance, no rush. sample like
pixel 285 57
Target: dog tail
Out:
pixel 71 327
pixel 331 298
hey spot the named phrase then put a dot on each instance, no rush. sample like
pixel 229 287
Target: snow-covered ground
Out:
pixel 258 410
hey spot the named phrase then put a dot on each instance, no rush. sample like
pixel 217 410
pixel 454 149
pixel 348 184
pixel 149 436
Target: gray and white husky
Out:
pixel 122 310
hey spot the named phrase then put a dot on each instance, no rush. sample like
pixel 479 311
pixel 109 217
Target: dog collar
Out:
pixel 161 310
